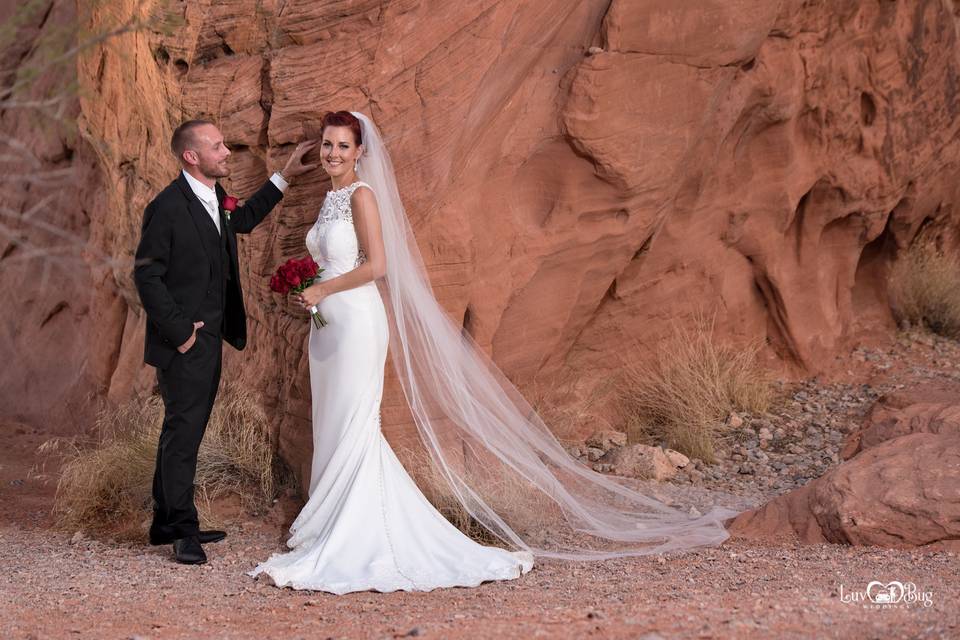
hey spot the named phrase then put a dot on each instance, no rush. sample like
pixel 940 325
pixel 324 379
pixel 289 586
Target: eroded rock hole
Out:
pixel 868 109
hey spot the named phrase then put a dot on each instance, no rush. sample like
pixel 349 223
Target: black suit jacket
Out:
pixel 174 265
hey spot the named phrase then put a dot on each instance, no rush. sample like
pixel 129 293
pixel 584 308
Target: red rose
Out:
pixel 277 284
pixel 295 274
pixel 307 268
pixel 288 271
pixel 230 203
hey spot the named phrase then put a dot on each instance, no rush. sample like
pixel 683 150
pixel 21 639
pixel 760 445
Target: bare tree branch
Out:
pixel 134 23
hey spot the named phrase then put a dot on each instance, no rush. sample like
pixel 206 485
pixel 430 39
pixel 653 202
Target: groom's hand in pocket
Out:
pixel 193 338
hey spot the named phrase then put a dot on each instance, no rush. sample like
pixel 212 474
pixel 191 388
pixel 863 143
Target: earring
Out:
pixel 356 165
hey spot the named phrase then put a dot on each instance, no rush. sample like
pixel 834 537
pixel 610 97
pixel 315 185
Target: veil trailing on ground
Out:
pixel 502 463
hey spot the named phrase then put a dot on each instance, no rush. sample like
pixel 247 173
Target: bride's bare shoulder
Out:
pixel 363 196
pixel 362 187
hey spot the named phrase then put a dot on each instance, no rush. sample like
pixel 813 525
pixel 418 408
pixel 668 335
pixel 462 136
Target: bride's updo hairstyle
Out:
pixel 342 119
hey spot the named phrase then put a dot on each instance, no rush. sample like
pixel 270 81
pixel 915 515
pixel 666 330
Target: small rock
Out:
pixel 575 450
pixel 678 459
pixel 78 537
pixel 734 421
pixel 594 454
pixel 607 439
pixel 592 51
pixel 640 461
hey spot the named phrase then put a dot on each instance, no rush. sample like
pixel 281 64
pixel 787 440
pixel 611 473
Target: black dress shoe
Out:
pixel 204 537
pixel 188 551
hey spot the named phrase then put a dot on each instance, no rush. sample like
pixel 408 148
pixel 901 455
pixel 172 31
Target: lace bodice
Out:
pixel 332 241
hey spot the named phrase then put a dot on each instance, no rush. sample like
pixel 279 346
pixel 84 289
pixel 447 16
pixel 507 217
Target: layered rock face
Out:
pixel 579 173
pixel 61 320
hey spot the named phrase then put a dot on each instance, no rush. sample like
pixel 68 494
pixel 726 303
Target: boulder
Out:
pixel 904 492
pixel 640 461
pixel 894 415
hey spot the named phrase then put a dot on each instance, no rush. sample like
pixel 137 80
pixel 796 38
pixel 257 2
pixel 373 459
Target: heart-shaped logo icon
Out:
pixel 885 593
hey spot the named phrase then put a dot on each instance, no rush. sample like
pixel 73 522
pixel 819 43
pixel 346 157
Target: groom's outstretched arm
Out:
pixel 256 208
pixel 149 271
pixel 244 219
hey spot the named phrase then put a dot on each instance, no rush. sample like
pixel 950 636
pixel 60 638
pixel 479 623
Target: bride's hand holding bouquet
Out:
pixel 298 276
pixel 311 296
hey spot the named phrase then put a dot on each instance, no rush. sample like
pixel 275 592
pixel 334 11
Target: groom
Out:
pixel 189 283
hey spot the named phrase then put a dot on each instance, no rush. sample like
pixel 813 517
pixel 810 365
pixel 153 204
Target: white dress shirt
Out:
pixel 208 197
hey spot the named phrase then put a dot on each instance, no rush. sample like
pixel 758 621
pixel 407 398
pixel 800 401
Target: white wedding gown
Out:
pixel 366 525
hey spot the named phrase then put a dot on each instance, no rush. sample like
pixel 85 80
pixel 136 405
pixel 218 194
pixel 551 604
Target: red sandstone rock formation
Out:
pixel 897 488
pixel 901 414
pixel 901 493
pixel 579 173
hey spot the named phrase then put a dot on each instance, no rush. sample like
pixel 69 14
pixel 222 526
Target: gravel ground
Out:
pixel 63 585
pixel 54 589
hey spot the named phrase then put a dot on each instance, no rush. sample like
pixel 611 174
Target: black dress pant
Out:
pixel 188 388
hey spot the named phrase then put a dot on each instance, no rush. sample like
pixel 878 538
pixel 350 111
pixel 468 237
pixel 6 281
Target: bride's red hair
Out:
pixel 342 119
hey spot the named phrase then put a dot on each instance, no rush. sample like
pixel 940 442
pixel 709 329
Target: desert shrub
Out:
pixel 681 396
pixel 508 495
pixel 105 485
pixel 924 286
pixel 570 405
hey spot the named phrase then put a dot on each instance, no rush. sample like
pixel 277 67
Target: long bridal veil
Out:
pixel 501 461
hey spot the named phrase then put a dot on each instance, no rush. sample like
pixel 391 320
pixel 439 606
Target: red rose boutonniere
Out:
pixel 230 205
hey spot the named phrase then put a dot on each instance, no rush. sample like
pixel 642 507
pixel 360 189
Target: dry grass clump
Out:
pixel 106 487
pixel 439 493
pixel 521 506
pixel 682 395
pixel 570 405
pixel 924 285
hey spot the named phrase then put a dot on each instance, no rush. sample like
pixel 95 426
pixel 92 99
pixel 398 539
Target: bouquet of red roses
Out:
pixel 296 275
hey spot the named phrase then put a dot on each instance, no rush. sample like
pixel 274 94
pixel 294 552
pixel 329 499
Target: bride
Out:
pixel 366 525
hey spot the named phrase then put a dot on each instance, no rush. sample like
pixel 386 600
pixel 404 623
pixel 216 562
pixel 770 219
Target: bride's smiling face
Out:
pixel 339 151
